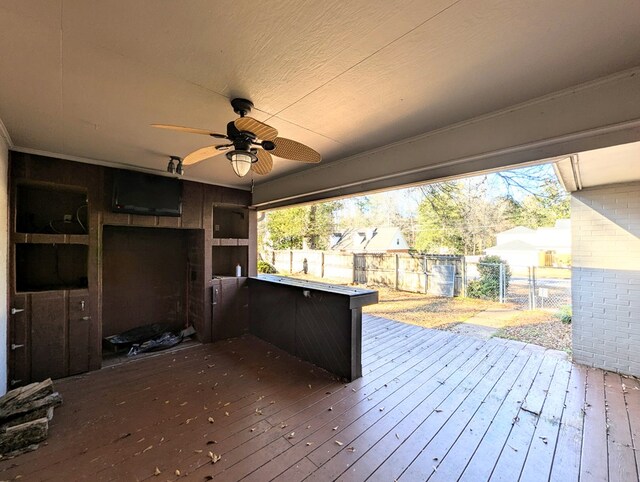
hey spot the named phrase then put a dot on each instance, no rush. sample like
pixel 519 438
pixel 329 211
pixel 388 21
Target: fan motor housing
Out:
pixel 242 107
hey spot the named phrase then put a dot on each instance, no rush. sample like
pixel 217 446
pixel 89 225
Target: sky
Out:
pixel 407 200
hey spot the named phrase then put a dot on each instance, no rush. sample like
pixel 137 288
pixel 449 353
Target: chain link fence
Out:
pixel 523 287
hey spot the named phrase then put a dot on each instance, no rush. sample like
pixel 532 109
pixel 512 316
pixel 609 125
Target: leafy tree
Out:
pixel 459 216
pixel 465 216
pixel 393 208
pixel 285 228
pixel 439 216
pixel 300 226
pixel 542 209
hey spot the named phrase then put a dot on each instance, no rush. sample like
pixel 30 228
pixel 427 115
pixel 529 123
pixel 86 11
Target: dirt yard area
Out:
pixel 537 327
pixel 424 310
pixel 540 328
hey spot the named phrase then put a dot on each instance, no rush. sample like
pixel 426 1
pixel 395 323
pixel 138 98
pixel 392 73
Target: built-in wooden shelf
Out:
pixel 35 238
pixel 229 242
pixel 230 222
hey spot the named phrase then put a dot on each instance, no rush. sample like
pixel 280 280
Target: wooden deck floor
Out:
pixel 431 405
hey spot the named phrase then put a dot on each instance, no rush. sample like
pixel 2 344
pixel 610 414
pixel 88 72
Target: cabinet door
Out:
pixel 227 308
pixel 79 331
pixel 230 309
pixel 19 342
pixel 48 335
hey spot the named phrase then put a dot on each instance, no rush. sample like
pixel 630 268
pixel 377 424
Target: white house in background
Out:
pixel 369 240
pixel 521 246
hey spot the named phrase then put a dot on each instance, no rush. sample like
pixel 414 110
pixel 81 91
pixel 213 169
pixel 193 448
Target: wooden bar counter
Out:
pixel 318 322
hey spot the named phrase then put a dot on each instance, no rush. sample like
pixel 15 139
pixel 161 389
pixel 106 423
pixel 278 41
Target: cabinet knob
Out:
pixel 85 318
pixel 14 346
pixel 15 382
pixel 16 310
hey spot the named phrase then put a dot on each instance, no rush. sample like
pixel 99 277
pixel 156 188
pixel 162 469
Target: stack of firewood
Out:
pixel 24 417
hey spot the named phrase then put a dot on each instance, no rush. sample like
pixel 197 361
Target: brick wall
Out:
pixel 606 277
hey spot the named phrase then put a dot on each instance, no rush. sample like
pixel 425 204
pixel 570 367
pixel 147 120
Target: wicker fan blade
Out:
pixel 264 164
pixel 191 130
pixel 288 149
pixel 260 129
pixel 200 155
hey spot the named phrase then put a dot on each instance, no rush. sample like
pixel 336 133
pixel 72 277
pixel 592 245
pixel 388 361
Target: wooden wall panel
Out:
pixel 192 198
pixel 48 335
pixel 145 270
pixel 195 225
pixel 79 318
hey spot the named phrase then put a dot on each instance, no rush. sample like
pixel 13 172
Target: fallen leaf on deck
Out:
pixel 227 404
pixel 339 443
pixel 351 449
pixel 177 472
pixel 198 451
pixel 226 414
pixel 309 385
pixel 147 449
pixel 381 409
pixel 336 427
pixel 438 410
pixel 398 436
pixel 183 404
pixel 309 444
pixel 330 409
pixel 210 419
pixel 291 435
pixel 157 472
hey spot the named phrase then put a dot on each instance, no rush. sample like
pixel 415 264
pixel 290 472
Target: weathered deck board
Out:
pixel 431 405
pixel 595 461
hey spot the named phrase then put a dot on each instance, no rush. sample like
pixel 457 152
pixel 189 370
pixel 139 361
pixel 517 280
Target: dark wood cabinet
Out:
pixel 59 211
pixel 229 307
pixel 49 335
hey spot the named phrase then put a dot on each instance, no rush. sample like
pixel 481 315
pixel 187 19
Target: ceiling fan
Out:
pixel 252 143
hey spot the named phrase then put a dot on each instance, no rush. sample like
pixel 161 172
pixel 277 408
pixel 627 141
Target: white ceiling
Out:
pixel 85 78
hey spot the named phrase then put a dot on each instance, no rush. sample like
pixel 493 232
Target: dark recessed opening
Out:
pixel 44 267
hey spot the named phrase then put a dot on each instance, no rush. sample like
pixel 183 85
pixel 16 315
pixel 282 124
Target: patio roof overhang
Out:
pixel 389 94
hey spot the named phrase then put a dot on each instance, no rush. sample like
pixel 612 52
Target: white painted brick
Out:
pixel 606 277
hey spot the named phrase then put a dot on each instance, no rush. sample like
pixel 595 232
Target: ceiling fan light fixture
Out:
pixel 241 161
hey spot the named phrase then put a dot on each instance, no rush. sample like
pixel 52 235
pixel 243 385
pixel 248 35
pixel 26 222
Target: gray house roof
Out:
pixel 369 239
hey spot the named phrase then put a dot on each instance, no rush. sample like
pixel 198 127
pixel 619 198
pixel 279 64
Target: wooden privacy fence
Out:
pixel 401 271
